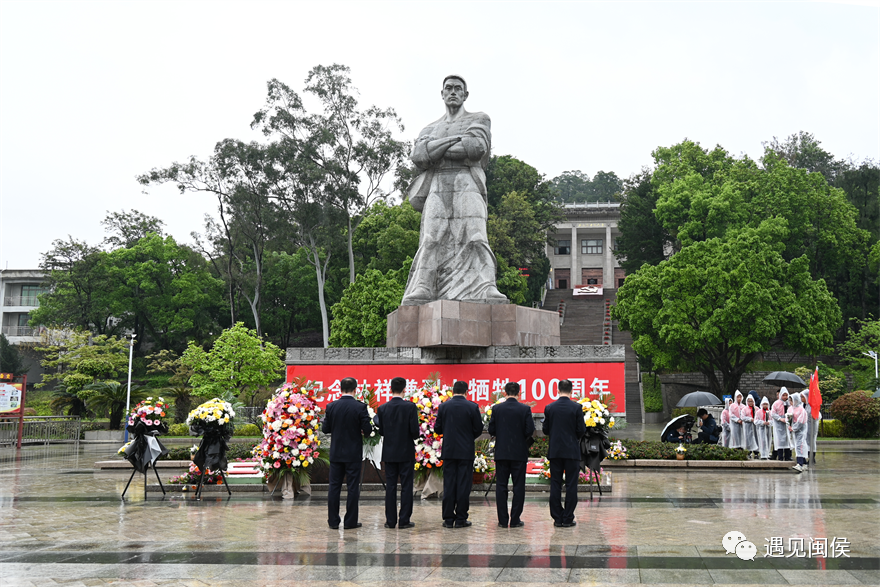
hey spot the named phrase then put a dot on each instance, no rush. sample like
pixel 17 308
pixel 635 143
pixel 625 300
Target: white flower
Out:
pixel 310 460
pixel 601 420
pixel 295 452
pixel 276 455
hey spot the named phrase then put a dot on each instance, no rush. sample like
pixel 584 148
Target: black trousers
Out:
pixel 458 479
pixel 516 470
pixel 405 471
pixel 703 438
pixel 352 473
pixel 571 469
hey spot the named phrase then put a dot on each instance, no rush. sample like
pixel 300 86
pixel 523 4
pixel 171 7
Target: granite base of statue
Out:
pixel 143 452
pixel 594 449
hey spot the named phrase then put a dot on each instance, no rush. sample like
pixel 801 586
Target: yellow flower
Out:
pixel 591 422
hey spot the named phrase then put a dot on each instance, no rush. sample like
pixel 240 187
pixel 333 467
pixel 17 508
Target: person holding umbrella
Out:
pixel 780 430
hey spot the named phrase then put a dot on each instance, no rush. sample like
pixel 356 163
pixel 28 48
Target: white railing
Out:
pixel 19 331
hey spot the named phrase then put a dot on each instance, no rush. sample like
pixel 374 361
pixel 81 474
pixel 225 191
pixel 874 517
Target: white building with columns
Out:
pixel 584 251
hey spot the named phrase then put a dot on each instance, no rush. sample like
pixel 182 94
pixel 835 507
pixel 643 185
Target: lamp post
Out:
pixel 128 393
pixel 873 355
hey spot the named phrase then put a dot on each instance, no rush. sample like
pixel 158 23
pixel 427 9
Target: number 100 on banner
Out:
pixel 538 381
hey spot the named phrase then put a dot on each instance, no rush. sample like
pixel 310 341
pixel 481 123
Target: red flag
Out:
pixel 815 395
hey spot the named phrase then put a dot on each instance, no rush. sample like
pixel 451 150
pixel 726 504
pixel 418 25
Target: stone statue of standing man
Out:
pixel 454 261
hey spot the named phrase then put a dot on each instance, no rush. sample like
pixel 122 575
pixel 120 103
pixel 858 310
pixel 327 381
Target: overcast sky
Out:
pixel 94 93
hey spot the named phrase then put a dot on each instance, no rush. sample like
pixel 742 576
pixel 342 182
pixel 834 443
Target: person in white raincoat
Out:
pixel 725 423
pixel 813 432
pixel 780 435
pixel 799 429
pixel 736 423
pixel 763 424
pixel 750 437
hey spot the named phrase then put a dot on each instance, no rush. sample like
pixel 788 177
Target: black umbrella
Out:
pixel 698 398
pixel 784 379
pixel 685 420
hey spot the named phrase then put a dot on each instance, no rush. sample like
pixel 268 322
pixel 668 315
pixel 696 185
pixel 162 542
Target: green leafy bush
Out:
pixel 248 430
pixel 652 395
pixel 236 451
pixel 831 429
pixel 859 413
pixel 539 449
pixel 178 430
pixel 650 449
pixel 676 412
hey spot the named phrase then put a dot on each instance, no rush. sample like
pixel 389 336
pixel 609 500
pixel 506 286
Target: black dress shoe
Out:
pixel 407 525
pixel 559 524
pixel 569 524
pixel 332 527
pixel 448 525
pixel 500 525
pixel 519 524
pixel 464 524
pixel 358 525
pixel 388 525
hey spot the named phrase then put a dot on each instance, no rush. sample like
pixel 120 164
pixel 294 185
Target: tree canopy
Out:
pixel 718 303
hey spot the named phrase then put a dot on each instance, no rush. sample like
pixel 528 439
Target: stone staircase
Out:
pixel 586 321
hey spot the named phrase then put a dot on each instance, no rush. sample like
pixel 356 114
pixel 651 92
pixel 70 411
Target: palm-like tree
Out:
pixel 110 397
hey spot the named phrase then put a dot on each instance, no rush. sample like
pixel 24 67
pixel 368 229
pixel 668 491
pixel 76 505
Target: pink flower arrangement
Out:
pixel 149 412
pixel 429 444
pixel 290 432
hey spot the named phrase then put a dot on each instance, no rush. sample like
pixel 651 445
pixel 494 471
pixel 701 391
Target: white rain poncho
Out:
pixel 763 423
pixel 799 426
pixel 725 423
pixel 747 414
pixel 813 423
pixel 736 423
pixel 777 414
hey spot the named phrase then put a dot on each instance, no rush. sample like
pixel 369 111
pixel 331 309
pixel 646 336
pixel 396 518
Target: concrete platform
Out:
pixel 448 323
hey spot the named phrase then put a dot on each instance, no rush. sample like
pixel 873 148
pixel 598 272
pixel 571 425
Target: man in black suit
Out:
pixel 458 420
pixel 564 424
pixel 512 426
pixel 348 421
pixel 398 422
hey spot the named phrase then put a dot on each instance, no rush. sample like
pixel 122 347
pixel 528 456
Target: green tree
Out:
pixel 167 362
pixel 572 187
pixel 352 147
pixel 386 236
pixel 862 336
pixel 291 297
pixel 642 238
pixel 163 290
pixel 125 229
pixel 110 398
pixel 360 318
pixel 512 283
pixel 10 358
pixel 239 361
pixel 77 287
pixel 718 303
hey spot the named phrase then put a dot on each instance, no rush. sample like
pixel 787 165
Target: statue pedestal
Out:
pixel 448 323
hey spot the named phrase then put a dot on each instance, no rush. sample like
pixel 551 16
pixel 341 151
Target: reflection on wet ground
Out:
pixel 62 522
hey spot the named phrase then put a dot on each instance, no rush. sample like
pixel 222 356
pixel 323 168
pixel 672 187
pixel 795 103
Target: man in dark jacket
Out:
pixel 458 420
pixel 564 424
pixel 398 422
pixel 347 421
pixel 512 426
pixel 710 432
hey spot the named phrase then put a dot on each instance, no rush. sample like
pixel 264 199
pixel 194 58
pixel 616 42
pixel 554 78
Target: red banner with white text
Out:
pixel 537 381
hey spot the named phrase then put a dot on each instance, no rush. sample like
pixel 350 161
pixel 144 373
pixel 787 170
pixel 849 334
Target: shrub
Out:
pixel 652 396
pixel 859 413
pixel 539 449
pixel 676 412
pixel 831 429
pixel 248 430
pixel 236 451
pixel 178 430
pixel 650 449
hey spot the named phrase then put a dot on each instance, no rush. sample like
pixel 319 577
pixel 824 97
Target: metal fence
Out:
pixel 41 430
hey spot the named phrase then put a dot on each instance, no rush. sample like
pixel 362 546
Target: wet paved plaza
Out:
pixel 62 522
